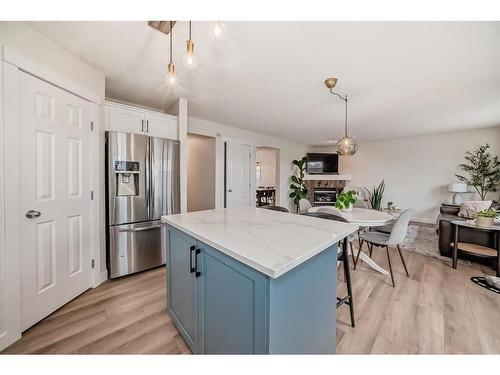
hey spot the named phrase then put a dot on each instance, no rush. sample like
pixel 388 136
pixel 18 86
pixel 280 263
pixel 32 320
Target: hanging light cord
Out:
pixel 189 30
pixel 170 41
pixel 344 98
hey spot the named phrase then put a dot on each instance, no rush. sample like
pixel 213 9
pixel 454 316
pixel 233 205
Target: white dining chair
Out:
pixel 304 206
pixel 394 238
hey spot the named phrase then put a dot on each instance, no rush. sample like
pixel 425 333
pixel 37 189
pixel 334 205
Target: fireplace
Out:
pixel 324 196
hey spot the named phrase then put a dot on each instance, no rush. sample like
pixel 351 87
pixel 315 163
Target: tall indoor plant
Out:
pixel 298 185
pixel 375 196
pixel 482 169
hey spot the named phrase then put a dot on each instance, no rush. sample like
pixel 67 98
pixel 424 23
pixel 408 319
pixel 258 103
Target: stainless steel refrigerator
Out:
pixel 142 184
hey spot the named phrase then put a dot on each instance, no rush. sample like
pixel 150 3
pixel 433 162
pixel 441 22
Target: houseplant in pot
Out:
pixel 345 201
pixel 486 218
pixel 483 170
pixel 375 196
pixel 298 185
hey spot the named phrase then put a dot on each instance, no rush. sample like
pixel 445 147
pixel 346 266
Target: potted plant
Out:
pixel 298 185
pixel 345 201
pixel 483 170
pixel 486 218
pixel 375 196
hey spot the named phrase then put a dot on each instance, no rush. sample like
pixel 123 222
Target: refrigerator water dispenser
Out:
pixel 127 178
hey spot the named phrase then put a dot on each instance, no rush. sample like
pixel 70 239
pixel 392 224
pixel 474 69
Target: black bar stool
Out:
pixel 342 256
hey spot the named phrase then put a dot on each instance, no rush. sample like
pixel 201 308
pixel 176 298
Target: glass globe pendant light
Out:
pixel 346 145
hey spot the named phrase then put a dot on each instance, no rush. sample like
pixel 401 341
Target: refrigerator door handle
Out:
pixel 147 181
pixel 152 179
pixel 151 227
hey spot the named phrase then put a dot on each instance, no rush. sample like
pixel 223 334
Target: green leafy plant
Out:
pixel 375 196
pixel 345 200
pixel 298 185
pixel 490 212
pixel 482 169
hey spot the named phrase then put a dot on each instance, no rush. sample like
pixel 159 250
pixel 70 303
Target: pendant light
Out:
pixel 190 60
pixel 171 66
pixel 346 145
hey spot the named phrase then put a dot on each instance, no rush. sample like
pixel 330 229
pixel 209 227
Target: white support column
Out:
pixel 182 119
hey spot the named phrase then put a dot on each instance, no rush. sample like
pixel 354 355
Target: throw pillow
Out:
pixel 469 209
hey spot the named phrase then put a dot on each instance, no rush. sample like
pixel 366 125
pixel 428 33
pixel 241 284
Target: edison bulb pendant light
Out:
pixel 218 30
pixel 170 66
pixel 171 73
pixel 190 61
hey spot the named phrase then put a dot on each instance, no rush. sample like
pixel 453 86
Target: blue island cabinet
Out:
pixel 222 306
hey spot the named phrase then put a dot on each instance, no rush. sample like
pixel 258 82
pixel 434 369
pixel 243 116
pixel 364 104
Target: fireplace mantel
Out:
pixel 328 177
pixel 325 181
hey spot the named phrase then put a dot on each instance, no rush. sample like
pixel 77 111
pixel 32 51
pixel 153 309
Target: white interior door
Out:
pixel 238 175
pixel 55 184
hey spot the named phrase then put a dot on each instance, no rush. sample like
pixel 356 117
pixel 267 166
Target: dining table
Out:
pixel 364 218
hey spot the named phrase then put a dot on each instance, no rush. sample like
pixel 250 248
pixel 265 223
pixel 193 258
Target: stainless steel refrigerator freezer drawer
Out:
pixel 135 247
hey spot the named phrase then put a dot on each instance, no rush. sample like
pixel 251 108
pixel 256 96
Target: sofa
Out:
pixel 445 230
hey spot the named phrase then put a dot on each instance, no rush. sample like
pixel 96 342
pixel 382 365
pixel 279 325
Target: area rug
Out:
pixel 422 239
pixel 481 281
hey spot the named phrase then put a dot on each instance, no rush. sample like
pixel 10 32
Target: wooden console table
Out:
pixel 477 250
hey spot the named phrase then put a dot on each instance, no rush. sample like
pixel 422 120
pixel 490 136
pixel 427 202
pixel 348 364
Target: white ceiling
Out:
pixel 402 78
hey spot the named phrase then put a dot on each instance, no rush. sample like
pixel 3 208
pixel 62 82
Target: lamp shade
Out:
pixel 457 187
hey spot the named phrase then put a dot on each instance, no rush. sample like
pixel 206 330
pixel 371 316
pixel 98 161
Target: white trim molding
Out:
pixel 47 75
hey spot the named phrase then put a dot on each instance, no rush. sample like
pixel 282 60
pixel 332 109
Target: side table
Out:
pixel 477 250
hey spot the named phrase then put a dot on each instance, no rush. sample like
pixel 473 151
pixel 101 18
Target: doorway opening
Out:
pixel 267 176
pixel 200 172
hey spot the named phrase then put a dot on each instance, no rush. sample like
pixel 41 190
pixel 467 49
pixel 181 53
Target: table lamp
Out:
pixel 457 188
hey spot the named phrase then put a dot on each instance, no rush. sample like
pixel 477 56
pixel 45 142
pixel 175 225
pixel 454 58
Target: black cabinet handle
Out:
pixel 198 273
pixel 191 268
pixel 147 126
pixel 142 126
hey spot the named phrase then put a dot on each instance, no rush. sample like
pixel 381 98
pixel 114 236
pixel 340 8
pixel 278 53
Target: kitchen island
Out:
pixel 253 281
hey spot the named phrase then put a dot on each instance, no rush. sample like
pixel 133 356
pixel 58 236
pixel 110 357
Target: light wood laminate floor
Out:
pixel 436 310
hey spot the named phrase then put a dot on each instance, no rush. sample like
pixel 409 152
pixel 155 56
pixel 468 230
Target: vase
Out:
pixel 484 221
pixel 349 209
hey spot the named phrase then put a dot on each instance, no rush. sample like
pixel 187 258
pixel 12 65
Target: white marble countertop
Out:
pixel 270 242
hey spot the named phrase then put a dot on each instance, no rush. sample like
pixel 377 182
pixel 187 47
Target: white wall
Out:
pixel 25 40
pixel 267 161
pixel 200 172
pixel 417 170
pixel 33 46
pixel 288 151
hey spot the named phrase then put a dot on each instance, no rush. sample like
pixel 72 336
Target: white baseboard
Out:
pixel 103 276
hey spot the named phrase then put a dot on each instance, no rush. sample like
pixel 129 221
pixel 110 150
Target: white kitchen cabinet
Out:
pixel 162 126
pixel 124 118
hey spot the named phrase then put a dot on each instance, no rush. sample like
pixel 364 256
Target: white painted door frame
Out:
pixel 10 260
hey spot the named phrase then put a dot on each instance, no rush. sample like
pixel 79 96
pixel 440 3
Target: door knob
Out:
pixel 31 214
pixel 230 190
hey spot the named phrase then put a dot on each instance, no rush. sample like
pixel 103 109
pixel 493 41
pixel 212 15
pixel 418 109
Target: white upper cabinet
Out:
pixel 125 120
pixel 136 120
pixel 162 126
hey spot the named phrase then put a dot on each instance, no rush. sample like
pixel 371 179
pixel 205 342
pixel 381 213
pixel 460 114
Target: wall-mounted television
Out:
pixel 318 163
